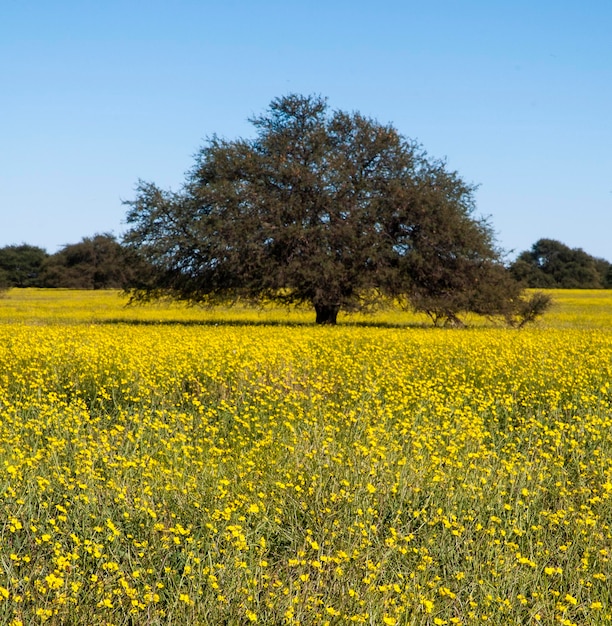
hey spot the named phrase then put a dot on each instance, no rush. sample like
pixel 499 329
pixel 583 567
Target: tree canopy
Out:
pixel 20 265
pixel 98 262
pixel 322 207
pixel 551 264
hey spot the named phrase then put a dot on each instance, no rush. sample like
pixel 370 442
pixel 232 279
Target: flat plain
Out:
pixel 178 465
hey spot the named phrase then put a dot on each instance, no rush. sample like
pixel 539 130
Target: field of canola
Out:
pixel 214 473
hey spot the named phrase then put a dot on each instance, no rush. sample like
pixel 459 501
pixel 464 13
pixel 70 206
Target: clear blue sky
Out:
pixel 517 96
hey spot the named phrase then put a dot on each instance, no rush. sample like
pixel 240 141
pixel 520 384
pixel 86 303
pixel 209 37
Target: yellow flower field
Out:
pixel 170 465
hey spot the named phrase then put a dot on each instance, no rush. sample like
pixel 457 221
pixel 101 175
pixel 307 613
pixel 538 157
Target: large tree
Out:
pixel 328 208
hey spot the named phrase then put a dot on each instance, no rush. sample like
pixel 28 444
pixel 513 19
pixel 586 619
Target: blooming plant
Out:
pixel 161 470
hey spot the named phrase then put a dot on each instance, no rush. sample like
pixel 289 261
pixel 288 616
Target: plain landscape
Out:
pixel 166 464
pixel 306 314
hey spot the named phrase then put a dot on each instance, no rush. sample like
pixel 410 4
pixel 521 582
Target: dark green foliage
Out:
pixel 327 208
pixel 553 265
pixel 20 266
pixel 98 262
pixel 530 308
pixel 604 269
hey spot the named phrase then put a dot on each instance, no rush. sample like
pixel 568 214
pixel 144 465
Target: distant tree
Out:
pixel 98 262
pixel 552 264
pixel 4 282
pixel 330 209
pixel 20 265
pixel 604 269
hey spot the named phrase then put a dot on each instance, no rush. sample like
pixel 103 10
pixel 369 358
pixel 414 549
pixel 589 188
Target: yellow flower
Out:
pixel 571 599
pixel 428 605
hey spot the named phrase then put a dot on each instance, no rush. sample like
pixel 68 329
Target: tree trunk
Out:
pixel 326 313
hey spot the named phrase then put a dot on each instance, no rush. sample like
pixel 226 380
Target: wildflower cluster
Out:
pixel 200 474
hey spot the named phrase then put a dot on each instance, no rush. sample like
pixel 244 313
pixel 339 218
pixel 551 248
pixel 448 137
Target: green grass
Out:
pixel 282 473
